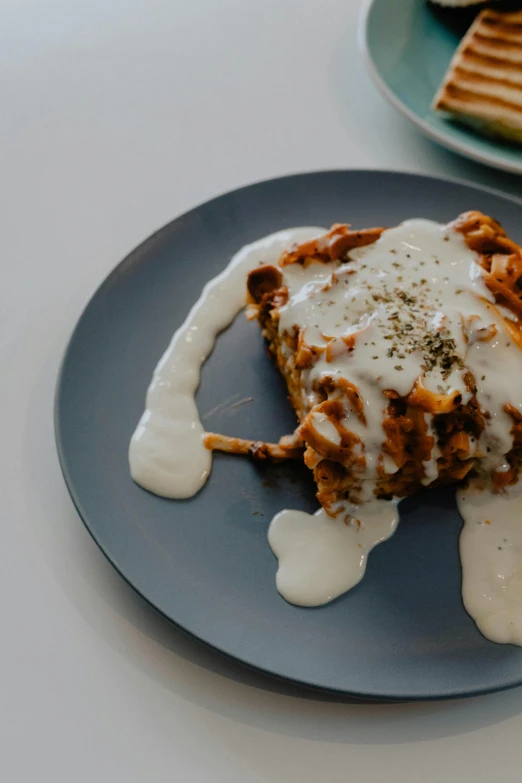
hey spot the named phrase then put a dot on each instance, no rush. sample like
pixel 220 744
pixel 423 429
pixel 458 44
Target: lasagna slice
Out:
pixel 401 351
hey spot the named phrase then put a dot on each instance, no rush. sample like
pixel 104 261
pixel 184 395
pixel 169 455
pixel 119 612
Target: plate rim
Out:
pixel 433 133
pixel 134 256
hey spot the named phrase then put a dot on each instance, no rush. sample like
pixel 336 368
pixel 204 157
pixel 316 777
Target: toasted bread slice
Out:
pixel 483 85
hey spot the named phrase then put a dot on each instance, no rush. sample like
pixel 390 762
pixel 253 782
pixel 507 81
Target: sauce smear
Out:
pixel 491 559
pixel 166 453
pixel 321 557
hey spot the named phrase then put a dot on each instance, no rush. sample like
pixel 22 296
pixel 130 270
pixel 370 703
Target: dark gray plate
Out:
pixel 205 563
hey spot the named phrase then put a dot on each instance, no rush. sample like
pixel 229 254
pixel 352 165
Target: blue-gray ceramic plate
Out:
pixel 407 50
pixel 205 563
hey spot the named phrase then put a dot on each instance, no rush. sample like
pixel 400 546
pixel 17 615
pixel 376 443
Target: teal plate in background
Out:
pixel 407 52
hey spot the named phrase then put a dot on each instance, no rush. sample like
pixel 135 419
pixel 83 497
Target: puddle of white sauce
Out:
pixel 166 453
pixel 491 559
pixel 320 557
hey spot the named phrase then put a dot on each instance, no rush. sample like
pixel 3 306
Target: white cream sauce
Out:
pixel 491 559
pixel 166 452
pixel 442 287
pixel 320 557
pixel 430 466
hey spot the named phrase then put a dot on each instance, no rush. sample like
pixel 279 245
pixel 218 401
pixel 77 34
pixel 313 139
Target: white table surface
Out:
pixel 118 115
